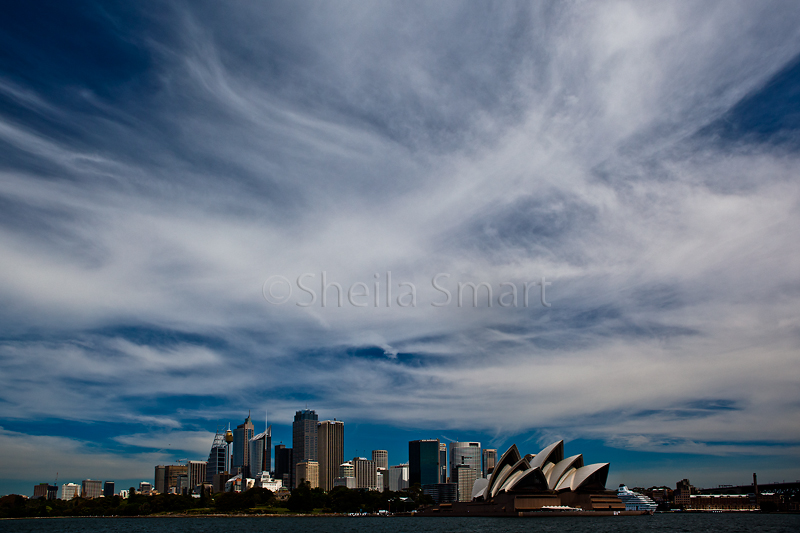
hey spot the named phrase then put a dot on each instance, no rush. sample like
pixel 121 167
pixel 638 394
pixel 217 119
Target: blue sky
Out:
pixel 159 162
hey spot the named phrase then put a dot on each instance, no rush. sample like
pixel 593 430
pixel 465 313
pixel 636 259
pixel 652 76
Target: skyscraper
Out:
pixel 283 465
pixel 260 451
pixel 161 479
pixel 464 453
pixel 423 462
pixel 366 473
pixel 398 477
pixel 108 489
pixel 267 466
pixel 46 491
pixel 330 451
pixel 466 476
pixel 304 437
pixel 70 490
pixel 216 458
pixel 171 474
pixel 241 451
pixel 91 488
pixel 198 473
pixel 308 471
pixel 381 458
pixel 442 462
pixel 489 460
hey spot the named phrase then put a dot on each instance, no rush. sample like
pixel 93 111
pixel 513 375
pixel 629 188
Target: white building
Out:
pixel 70 490
pixel 347 469
pixel 381 458
pixel 366 473
pixel 265 481
pixel 398 477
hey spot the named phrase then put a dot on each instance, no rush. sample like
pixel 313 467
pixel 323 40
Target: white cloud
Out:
pixel 28 457
pixel 493 146
pixel 172 442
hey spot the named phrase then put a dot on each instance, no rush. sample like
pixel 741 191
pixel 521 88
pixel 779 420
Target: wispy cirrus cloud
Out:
pixel 615 149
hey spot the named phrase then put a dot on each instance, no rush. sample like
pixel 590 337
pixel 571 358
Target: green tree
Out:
pixel 304 499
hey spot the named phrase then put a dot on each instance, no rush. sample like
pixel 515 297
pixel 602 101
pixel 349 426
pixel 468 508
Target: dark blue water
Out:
pixel 727 522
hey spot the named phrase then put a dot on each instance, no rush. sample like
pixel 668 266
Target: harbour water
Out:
pixel 682 522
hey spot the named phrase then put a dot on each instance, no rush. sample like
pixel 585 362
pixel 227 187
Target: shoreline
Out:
pixel 585 514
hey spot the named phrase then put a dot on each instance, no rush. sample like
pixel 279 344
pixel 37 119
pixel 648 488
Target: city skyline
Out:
pixel 543 221
pixel 630 470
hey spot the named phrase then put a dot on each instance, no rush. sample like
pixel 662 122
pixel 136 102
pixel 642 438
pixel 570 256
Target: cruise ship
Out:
pixel 634 501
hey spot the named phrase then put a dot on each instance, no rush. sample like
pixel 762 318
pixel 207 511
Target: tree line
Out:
pixel 303 500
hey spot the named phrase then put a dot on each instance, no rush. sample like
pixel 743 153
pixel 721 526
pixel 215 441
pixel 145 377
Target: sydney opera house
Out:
pixel 546 482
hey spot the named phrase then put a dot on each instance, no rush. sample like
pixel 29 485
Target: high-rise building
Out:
pixel 346 477
pixel 423 462
pixel 216 457
pixel 171 473
pixel 160 479
pixel 283 465
pixel 261 453
pixel 183 485
pixel 489 460
pixel 304 437
pixel 308 471
pixel 442 462
pixel 40 490
pixel 146 486
pixel 464 453
pixel 347 469
pixel 398 477
pixel 465 461
pixel 381 458
pixel 466 476
pixel 219 481
pixel 267 463
pixel 330 451
pixel 241 451
pixel 198 473
pixel 70 490
pixel 45 490
pixel 108 489
pixel 91 488
pixel 366 473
